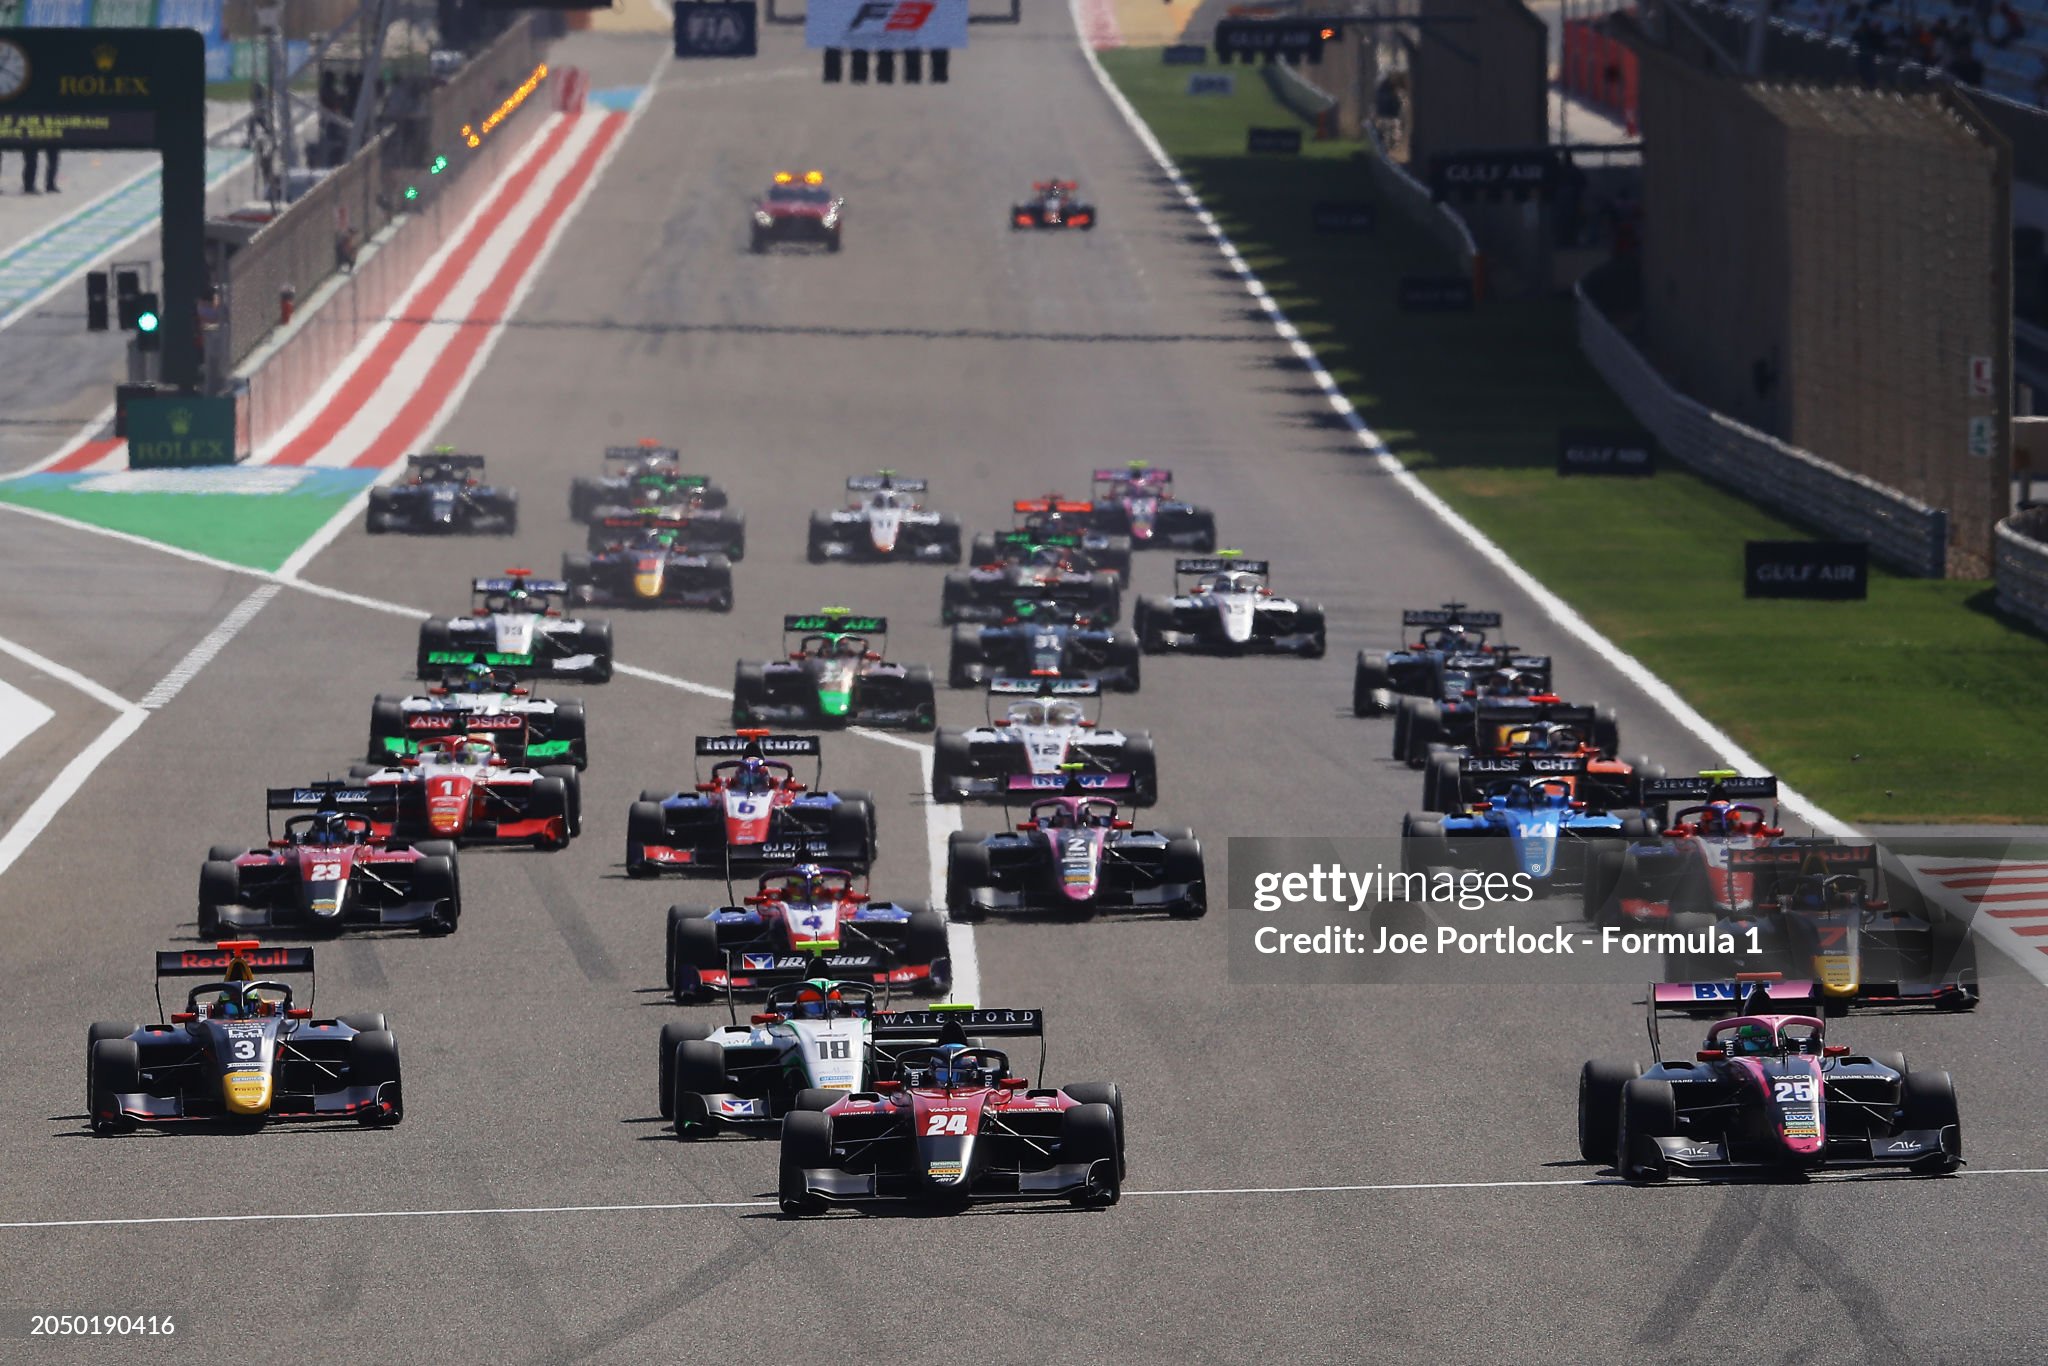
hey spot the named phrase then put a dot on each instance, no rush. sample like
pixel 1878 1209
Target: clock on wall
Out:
pixel 13 70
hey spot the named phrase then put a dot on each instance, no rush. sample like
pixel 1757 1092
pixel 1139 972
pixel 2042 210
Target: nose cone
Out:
pixel 246 1093
pixel 647 579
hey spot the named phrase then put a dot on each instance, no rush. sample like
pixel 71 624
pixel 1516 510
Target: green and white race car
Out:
pixel 833 673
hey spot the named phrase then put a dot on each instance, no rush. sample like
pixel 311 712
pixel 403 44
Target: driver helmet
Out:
pixel 751 776
pixel 1505 683
pixel 1746 1041
pixel 232 1003
pixel 956 1066
pixel 477 749
pixel 818 1000
pixel 1811 894
pixel 1715 820
pixel 477 677
pixel 851 647
pixel 328 827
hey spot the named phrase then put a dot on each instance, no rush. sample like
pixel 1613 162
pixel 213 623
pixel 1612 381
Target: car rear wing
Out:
pixel 1803 858
pixel 637 453
pixel 1078 784
pixel 457 462
pixel 216 961
pixel 943 1024
pixel 1050 505
pixel 1450 614
pixel 318 797
pixel 1216 564
pixel 1147 474
pixel 506 585
pixel 869 483
pixel 1062 539
pixel 761 746
pixel 835 623
pixel 1046 687
pixel 1711 787
pixel 1522 766
pixel 645 517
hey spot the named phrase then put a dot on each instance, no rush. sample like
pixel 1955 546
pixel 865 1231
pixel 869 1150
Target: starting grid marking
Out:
pixel 701 1206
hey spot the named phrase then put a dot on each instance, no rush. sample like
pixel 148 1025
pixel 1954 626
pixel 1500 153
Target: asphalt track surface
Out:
pixel 999 365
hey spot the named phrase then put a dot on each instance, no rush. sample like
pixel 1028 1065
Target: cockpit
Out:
pixel 1045 713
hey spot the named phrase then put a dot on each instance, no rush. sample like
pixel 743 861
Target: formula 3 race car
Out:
pixel 750 812
pixel 796 209
pixel 516 629
pixel 1530 819
pixel 1137 501
pixel 443 492
pixel 646 475
pixel 834 673
pixel 1076 858
pixel 644 562
pixel 1054 520
pixel 1054 204
pixel 242 1053
pixel 1227 609
pixel 801 920
pixel 882 521
pixel 1051 579
pixel 1045 730
pixel 1483 714
pixel 461 789
pixel 1818 912
pixel 811 1042
pixel 1449 649
pixel 328 872
pixel 526 729
pixel 1609 781
pixel 1026 646
pixel 953 1126
pixel 1685 873
pixel 1767 1095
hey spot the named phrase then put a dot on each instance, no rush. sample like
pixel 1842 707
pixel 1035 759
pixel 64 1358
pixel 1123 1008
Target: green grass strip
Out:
pixel 1919 704
pixel 260 531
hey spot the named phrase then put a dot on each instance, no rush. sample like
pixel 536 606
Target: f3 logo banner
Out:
pixel 878 25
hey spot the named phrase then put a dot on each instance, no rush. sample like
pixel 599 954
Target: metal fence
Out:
pixel 318 233
pixel 304 245
pixel 2020 565
pixel 1903 532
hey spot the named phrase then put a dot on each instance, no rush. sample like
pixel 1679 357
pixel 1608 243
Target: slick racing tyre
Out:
pixel 434 879
pixel 1927 1100
pixel 373 1061
pixel 103 1029
pixel 1649 1111
pixel 645 825
pixel 113 1069
pixel 951 759
pixel 1103 1093
pixel 693 950
pixel 1088 1135
pixel 1184 864
pixel 806 1145
pixel 699 1071
pixel 1600 1085
pixel 967 867
pixel 924 939
pixel 1369 678
pixel 821 536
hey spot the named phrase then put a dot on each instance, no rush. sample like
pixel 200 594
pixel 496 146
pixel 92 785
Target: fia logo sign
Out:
pixel 717 28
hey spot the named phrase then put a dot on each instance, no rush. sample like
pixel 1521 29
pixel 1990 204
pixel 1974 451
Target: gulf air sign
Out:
pixel 885 25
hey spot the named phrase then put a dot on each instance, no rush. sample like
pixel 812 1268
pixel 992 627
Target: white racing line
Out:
pixel 699 1206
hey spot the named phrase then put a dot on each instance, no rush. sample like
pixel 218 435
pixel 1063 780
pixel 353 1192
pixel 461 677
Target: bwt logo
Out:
pixel 895 16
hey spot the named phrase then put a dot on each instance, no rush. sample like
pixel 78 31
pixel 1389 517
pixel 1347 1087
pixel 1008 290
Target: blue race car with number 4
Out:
pixel 1530 820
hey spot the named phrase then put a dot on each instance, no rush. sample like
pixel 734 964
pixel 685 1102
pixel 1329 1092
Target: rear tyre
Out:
pixel 1606 869
pixel 1441 782
pixel 924 939
pixel 806 1145
pixel 1425 725
pixel 964 657
pixel 220 884
pixel 372 1023
pixel 1606 731
pixel 820 537
pixel 1369 678
pixel 1600 1086
pixel 1423 843
pixel 1142 759
pixel 1309 621
pixel 923 696
pixel 1149 620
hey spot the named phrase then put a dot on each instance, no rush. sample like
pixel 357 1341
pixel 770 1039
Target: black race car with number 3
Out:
pixel 241 1053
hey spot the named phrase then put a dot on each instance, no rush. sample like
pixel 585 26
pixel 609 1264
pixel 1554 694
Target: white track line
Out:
pixel 1212 1192
pixel 70 677
pixel 65 786
pixel 173 683
pixel 1557 609
pixel 20 717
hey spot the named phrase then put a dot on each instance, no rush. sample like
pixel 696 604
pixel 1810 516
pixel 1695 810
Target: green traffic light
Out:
pixel 146 322
pixel 440 165
pixel 412 192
